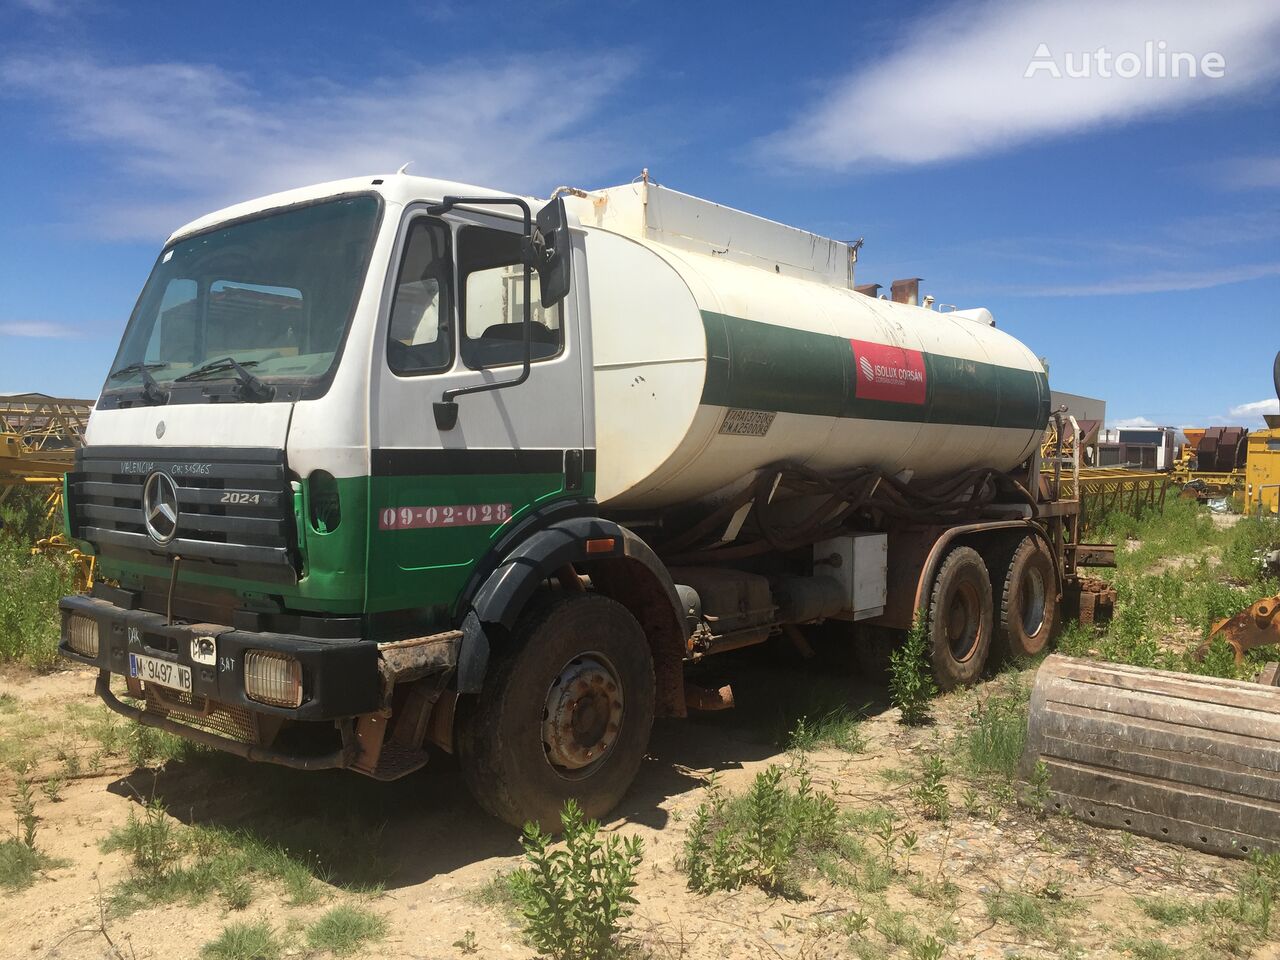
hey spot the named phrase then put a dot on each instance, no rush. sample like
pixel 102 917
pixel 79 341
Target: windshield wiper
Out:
pixel 252 387
pixel 152 392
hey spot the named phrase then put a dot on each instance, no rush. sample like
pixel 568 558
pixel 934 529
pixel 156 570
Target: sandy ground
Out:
pixel 431 848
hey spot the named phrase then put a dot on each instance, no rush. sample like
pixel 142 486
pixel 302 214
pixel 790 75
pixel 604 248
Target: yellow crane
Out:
pixel 39 436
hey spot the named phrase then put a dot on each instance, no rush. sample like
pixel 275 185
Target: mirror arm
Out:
pixel 446 409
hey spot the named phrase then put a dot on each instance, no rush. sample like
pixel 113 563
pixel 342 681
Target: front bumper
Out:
pixel 343 756
pixel 340 678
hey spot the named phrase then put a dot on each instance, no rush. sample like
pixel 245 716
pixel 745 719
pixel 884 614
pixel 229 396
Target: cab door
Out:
pixel 452 317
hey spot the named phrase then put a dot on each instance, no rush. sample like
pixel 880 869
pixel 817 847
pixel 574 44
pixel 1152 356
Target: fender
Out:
pixel 500 599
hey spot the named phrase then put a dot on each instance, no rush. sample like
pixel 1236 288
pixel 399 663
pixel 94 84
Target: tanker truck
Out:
pixel 391 464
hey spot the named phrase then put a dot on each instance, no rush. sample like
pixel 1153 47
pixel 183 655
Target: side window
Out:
pixel 420 335
pixel 491 276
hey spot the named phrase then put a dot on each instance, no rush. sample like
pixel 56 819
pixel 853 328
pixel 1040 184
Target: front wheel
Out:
pixel 960 619
pixel 564 713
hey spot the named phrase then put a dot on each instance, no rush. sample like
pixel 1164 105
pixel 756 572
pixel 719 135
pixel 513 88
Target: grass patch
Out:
pixel 1034 917
pixel 345 929
pixel 1167 911
pixel 497 894
pixel 20 864
pixel 193 863
pixel 1023 912
pixel 838 728
pixel 120 738
pixel 1149 948
pixel 1179 575
pixel 30 588
pixel 245 941
pixel 993 744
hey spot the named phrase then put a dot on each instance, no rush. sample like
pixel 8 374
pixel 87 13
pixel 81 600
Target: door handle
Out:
pixel 573 470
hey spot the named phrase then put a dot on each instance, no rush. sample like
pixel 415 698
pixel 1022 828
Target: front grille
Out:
pixel 234 504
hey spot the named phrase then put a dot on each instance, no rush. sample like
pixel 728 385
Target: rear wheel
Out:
pixel 1028 601
pixel 565 712
pixel 960 619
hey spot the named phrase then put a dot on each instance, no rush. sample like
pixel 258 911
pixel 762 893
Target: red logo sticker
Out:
pixel 889 373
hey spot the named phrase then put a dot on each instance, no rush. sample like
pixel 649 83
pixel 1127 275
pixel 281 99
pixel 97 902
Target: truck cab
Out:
pixel 288 532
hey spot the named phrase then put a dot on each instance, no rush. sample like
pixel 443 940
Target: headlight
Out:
pixel 82 635
pixel 274 678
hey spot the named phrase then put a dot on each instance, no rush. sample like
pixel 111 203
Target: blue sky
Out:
pixel 1126 228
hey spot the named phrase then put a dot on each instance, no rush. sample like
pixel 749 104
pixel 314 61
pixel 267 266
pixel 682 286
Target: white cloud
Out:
pixel 956 86
pixel 1157 281
pixel 37 328
pixel 1132 423
pixel 1247 172
pixel 45 8
pixel 186 138
pixel 1257 408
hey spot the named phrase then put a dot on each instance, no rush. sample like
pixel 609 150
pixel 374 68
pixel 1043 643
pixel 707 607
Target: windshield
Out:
pixel 276 293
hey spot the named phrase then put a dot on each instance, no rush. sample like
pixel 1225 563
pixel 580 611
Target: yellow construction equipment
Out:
pixel 1262 482
pixel 39 436
pixel 1212 462
pixel 1255 627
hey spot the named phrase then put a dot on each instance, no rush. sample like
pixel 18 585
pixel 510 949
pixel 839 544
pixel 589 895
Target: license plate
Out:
pixel 160 672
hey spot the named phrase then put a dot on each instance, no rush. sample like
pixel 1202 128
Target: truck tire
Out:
pixel 960 619
pixel 565 712
pixel 1028 601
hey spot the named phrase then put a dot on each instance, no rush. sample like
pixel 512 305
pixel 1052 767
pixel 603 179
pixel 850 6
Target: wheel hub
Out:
pixel 583 713
pixel 1033 601
pixel 962 622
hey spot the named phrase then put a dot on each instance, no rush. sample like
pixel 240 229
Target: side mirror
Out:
pixel 551 240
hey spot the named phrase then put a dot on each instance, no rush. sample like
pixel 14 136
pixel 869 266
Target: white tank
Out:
pixel 723 342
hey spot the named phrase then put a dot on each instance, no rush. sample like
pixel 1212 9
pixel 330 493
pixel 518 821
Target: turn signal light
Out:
pixel 273 678
pixel 82 635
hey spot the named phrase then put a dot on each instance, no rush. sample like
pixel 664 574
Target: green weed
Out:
pixel 760 838
pixel 574 899
pixel 30 588
pixel 467 943
pixel 911 685
pixel 930 792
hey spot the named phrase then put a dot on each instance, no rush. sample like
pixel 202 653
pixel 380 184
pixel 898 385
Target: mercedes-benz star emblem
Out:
pixel 160 507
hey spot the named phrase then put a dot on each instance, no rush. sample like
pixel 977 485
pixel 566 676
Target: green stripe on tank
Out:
pixel 761 366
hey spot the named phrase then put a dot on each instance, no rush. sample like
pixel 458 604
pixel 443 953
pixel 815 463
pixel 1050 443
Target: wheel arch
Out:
pixel 628 572
pixel 977 535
